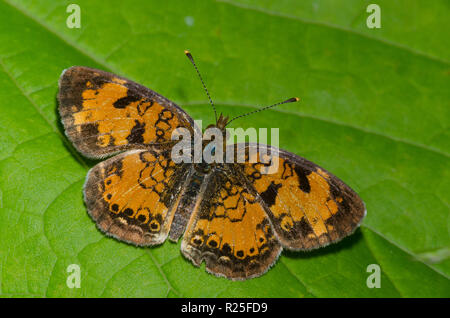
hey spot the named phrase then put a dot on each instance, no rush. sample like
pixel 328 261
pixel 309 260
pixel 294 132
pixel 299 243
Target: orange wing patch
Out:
pixel 303 201
pixel 231 232
pixel 115 124
pixel 103 113
pixel 314 204
pixel 133 196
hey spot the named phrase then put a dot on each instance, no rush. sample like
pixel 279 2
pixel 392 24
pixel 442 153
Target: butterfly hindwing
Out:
pixel 103 113
pixel 230 230
pixel 133 196
pixel 307 206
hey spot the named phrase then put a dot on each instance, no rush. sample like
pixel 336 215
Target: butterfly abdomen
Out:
pixel 187 204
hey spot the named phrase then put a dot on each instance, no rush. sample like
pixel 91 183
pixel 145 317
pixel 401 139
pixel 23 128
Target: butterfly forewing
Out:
pixel 104 113
pixel 307 206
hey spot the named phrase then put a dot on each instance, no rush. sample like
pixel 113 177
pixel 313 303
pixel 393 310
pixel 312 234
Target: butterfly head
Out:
pixel 222 122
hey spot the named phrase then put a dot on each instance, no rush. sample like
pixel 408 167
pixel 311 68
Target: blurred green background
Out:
pixel 374 111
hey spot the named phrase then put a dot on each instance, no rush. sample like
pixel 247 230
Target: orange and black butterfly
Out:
pixel 231 215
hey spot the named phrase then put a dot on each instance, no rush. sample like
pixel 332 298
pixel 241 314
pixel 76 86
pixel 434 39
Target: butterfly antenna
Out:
pixel 189 55
pixel 290 100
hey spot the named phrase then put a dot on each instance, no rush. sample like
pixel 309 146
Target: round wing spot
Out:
pixel 115 208
pixel 128 212
pixel 240 254
pixel 142 216
pixel 212 242
pixel 197 240
pixel 155 226
pixel 110 180
pixel 252 251
pixel 261 240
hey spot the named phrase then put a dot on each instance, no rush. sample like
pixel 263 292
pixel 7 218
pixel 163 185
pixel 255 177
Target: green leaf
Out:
pixel 374 110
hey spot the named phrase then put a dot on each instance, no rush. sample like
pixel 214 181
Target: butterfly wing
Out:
pixel 308 207
pixel 133 196
pixel 249 211
pixel 230 230
pixel 103 113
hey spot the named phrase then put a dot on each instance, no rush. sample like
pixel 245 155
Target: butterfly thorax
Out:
pixel 209 146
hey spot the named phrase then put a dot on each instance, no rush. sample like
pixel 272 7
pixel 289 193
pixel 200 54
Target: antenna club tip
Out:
pixel 291 100
pixel 187 52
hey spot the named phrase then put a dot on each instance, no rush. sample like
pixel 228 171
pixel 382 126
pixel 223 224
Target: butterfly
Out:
pixel 234 216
